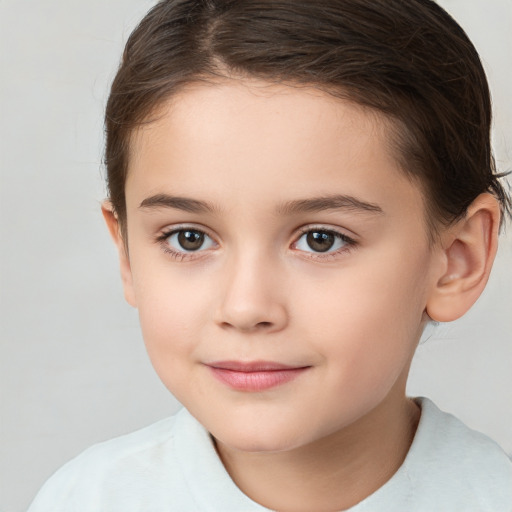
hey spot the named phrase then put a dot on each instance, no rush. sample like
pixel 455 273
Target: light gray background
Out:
pixel 73 370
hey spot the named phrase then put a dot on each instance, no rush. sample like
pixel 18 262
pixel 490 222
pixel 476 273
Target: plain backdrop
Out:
pixel 73 370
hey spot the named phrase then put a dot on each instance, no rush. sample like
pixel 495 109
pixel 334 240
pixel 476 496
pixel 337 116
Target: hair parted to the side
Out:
pixel 407 59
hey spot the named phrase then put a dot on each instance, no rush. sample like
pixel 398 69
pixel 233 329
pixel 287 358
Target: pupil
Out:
pixel 320 241
pixel 190 240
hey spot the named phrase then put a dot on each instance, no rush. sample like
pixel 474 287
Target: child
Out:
pixel 296 190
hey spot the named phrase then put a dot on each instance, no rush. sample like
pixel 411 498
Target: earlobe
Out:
pixel 124 261
pixel 469 251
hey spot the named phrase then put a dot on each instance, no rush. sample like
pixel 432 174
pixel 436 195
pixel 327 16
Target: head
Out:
pixel 302 183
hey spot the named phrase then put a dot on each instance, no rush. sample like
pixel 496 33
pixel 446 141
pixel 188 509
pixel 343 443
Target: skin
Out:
pixel 257 291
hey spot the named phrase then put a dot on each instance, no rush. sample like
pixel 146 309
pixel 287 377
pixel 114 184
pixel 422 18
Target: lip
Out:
pixel 254 375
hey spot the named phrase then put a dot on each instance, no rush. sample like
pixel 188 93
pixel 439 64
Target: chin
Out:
pixel 259 438
pixel 258 444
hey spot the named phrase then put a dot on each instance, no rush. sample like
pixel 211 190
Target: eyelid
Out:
pixel 184 226
pixel 345 233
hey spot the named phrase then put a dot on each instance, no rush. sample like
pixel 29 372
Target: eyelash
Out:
pixel 349 243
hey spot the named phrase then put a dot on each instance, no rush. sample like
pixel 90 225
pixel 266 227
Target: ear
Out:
pixel 468 250
pixel 124 261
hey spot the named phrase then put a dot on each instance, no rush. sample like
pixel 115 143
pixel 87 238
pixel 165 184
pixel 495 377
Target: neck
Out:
pixel 333 473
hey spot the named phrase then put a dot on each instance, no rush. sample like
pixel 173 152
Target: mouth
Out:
pixel 254 375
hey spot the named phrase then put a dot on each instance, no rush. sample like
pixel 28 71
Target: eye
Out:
pixel 188 240
pixel 322 241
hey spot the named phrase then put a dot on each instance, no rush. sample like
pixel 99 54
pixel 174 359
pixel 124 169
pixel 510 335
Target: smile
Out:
pixel 254 376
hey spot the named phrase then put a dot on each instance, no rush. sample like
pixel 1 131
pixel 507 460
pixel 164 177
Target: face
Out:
pixel 278 259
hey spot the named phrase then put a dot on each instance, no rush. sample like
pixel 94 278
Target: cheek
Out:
pixel 173 310
pixel 366 320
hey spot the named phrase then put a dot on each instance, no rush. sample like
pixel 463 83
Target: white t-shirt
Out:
pixel 172 466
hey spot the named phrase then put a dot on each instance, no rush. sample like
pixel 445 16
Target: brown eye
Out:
pixel 320 241
pixel 187 240
pixel 190 240
pixel 317 241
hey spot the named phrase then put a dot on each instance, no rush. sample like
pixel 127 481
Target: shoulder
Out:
pixel 169 466
pixel 448 467
pixel 452 438
pixel 83 483
pixel 452 461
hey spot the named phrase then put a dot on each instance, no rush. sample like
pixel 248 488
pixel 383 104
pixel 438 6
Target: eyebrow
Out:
pixel 331 202
pixel 309 205
pixel 179 203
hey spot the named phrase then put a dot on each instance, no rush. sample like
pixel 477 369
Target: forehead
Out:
pixel 252 112
pixel 254 142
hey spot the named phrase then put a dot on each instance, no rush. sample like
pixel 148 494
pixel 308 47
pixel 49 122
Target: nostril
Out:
pixel 253 327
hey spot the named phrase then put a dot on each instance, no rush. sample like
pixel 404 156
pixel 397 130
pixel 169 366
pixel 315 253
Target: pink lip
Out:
pixel 255 375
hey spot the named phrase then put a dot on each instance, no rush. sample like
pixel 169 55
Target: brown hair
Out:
pixel 407 59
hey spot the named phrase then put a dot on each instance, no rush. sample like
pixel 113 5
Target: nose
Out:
pixel 253 297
